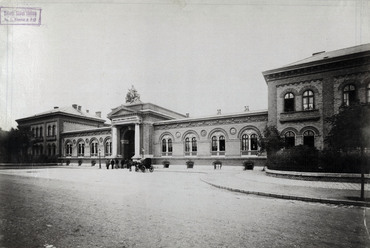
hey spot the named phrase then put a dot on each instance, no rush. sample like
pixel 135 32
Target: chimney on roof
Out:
pixel 246 108
pixel 87 111
pixel 218 111
pixel 317 53
pixel 98 114
pixel 56 107
pixel 79 108
pixel 74 106
pixel 187 115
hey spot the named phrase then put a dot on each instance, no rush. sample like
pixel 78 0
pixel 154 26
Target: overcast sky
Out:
pixel 189 56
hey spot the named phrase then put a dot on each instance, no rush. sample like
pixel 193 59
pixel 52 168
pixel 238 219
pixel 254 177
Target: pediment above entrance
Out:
pixel 120 111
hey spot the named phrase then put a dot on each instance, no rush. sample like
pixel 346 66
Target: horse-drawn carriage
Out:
pixel 143 165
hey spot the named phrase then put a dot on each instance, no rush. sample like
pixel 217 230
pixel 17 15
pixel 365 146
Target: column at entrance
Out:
pixel 114 141
pixel 137 141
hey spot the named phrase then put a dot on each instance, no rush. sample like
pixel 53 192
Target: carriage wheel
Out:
pixel 151 169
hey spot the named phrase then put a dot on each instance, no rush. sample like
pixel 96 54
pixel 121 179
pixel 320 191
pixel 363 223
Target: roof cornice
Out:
pixel 41 116
pixel 214 117
pixel 326 64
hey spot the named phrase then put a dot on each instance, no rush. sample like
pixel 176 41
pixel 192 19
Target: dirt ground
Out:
pixel 69 207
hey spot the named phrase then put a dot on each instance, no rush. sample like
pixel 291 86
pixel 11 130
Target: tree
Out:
pixel 272 142
pixel 132 96
pixel 350 132
pixel 15 144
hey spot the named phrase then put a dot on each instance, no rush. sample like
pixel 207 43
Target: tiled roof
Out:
pixel 69 111
pixel 332 54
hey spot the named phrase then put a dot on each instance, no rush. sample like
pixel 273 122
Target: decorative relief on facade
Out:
pixel 203 133
pixel 214 122
pixel 101 140
pixel 232 131
pixel 87 140
pixel 178 134
pixel 352 76
pixel 313 81
pixel 312 115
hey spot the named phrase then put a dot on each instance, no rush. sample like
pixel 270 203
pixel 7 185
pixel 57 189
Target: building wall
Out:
pixel 231 128
pixel 328 89
pixel 87 138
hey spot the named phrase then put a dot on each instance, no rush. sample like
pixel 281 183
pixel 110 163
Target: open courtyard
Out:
pixel 88 207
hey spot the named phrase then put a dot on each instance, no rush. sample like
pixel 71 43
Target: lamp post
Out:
pixel 99 160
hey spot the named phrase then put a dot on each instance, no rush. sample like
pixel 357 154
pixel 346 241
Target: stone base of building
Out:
pixel 209 161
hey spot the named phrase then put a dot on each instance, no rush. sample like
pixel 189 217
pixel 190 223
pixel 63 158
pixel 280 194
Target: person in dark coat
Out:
pixel 107 164
pixel 112 163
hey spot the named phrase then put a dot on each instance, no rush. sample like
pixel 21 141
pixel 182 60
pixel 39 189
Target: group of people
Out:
pixel 114 164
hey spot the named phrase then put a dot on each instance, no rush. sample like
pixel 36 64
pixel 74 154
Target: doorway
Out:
pixel 129 144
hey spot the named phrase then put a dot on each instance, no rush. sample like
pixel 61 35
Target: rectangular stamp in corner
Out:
pixel 20 16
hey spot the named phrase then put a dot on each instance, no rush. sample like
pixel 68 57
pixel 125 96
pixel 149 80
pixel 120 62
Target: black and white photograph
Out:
pixel 184 123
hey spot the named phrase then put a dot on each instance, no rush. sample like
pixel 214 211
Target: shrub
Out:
pixel 217 162
pixel 189 164
pixel 166 164
pixel 79 162
pixel 298 158
pixel 68 162
pixel 93 162
pixel 337 162
pixel 248 165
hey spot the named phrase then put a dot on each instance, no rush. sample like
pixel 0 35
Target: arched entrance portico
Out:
pixel 128 144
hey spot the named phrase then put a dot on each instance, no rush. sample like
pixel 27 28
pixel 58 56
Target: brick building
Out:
pixel 301 96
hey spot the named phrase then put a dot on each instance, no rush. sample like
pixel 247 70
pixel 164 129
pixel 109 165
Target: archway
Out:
pixel 128 144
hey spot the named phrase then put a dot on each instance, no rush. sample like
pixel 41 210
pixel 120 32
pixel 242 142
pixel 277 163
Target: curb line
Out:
pixel 290 197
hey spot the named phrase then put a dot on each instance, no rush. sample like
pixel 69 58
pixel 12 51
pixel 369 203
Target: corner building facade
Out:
pixel 300 97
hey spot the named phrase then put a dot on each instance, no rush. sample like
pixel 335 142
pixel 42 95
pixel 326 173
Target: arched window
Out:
pixel 349 94
pixel 49 131
pixel 167 146
pixel 187 145
pixel 249 144
pixel 164 146
pixel 194 146
pixel 190 146
pixel 49 149
pixel 37 132
pixel 308 100
pixel 254 143
pixel 218 145
pixel 245 142
pixel 94 148
pixel 69 149
pixel 108 147
pixel 214 144
pixel 53 130
pixel 289 102
pixel 309 138
pixel 368 93
pixel 41 132
pixel 289 139
pixel 81 148
pixel 34 132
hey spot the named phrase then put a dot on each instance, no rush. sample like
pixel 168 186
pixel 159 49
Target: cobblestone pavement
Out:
pixel 75 207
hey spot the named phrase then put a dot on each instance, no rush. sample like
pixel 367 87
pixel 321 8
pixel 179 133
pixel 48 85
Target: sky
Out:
pixel 188 56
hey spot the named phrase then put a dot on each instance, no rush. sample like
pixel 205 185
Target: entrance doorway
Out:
pixel 129 144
